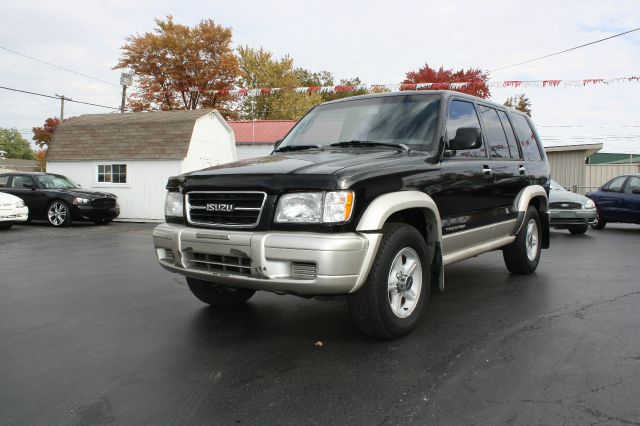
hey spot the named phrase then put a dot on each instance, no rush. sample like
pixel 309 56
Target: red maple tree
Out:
pixel 476 78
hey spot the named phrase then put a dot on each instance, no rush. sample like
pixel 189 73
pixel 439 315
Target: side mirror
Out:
pixel 636 191
pixel 466 138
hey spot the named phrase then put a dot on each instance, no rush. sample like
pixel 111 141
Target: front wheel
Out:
pixel 578 229
pixel 59 214
pixel 218 295
pixel 598 222
pixel 390 302
pixel 522 256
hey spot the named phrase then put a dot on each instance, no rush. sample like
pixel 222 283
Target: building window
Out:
pixel 112 173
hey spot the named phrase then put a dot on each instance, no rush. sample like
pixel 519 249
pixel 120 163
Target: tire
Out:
pixel 218 295
pixel 578 229
pixel 58 214
pixel 598 223
pixel 6 225
pixel 381 307
pixel 103 221
pixel 523 255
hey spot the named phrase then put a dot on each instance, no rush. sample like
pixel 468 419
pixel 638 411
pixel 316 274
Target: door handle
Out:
pixel 486 170
pixel 522 169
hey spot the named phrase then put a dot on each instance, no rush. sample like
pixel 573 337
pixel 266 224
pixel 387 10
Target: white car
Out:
pixel 12 209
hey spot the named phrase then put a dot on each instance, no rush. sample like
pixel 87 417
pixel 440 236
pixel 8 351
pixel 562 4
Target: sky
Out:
pixel 378 41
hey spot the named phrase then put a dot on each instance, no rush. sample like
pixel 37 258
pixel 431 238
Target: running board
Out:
pixel 457 256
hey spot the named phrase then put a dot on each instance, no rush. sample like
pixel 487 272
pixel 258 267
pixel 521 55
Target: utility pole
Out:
pixel 62 99
pixel 126 79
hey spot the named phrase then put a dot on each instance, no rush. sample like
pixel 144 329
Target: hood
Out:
pixel 559 195
pixel 84 193
pixel 8 198
pixel 311 162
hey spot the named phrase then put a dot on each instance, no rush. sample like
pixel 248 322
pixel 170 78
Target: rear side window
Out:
pixel 19 182
pixel 511 136
pixel 494 133
pixel 615 184
pixel 527 138
pixel 463 114
pixel 3 181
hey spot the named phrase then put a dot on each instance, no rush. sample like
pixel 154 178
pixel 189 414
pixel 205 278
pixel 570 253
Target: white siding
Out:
pixel 142 197
pixel 246 151
pixel 212 143
pixel 597 174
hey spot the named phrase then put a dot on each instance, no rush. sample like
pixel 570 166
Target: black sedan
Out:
pixel 617 201
pixel 58 200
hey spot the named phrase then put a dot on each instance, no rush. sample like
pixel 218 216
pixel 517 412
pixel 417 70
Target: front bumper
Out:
pixel 302 263
pixel 20 214
pixel 95 213
pixel 559 218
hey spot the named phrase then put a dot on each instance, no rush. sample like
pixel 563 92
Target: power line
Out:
pixel 56 97
pixel 58 66
pixel 566 50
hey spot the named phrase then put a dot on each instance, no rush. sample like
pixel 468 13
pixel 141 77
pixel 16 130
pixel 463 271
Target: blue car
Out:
pixel 617 201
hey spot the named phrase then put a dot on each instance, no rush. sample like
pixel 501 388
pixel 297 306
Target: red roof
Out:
pixel 260 131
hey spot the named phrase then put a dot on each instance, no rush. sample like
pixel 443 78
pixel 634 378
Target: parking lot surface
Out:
pixel 93 331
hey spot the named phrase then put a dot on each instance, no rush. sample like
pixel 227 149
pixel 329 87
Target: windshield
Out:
pixel 55 182
pixel 405 119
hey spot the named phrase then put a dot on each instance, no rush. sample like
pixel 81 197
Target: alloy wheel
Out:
pixel 57 213
pixel 532 240
pixel 404 282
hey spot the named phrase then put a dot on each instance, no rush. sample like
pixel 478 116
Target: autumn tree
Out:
pixel 520 102
pixel 476 78
pixel 42 135
pixel 259 69
pixel 15 145
pixel 177 66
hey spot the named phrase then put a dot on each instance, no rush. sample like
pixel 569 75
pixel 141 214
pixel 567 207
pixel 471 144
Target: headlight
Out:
pixel 589 204
pixel 173 204
pixel 315 207
pixel 79 201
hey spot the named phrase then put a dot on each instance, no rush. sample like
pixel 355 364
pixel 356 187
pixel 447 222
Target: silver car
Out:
pixel 568 210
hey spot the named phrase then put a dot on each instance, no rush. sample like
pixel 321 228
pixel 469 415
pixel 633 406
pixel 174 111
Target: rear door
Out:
pixel 506 164
pixel 23 186
pixel 534 168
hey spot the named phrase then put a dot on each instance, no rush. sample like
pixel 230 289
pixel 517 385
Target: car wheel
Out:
pixel 218 295
pixel 390 302
pixel 522 256
pixel 6 225
pixel 598 222
pixel 59 214
pixel 578 229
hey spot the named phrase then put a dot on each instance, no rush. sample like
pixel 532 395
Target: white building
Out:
pixel 132 155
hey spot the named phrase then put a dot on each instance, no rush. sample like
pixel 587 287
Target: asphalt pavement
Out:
pixel 93 331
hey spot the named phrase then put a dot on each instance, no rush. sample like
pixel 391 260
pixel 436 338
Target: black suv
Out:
pixel 369 197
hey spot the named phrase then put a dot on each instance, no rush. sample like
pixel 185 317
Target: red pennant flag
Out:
pixel 408 86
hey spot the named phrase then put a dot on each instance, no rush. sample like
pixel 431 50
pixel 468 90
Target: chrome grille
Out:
pixel 225 208
pixel 224 264
pixel 565 205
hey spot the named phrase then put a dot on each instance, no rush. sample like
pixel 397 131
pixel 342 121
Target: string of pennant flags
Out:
pixel 419 86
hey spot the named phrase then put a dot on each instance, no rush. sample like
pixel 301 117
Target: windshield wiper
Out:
pixel 298 148
pixel 371 143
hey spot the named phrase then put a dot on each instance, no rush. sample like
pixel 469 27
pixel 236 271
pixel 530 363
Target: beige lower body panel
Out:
pixel 473 242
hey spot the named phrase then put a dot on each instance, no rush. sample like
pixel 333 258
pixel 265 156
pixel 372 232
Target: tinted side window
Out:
pixel 19 181
pixel 634 183
pixel 615 184
pixel 494 133
pixel 3 181
pixel 526 138
pixel 463 114
pixel 511 136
